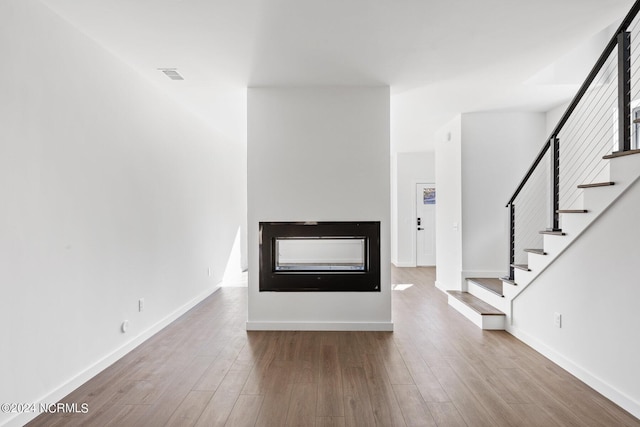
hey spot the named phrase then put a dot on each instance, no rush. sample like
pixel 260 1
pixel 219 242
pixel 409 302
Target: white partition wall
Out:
pixel 448 159
pixel 318 154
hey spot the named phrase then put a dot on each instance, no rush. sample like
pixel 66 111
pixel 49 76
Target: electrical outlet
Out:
pixel 557 320
pixel 141 304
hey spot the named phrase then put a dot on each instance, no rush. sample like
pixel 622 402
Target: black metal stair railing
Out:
pixel 602 118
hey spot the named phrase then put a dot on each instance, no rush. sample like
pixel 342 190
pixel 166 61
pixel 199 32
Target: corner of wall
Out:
pixel 448 174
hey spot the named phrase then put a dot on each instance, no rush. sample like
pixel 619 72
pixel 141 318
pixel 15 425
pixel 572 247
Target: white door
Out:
pixel 425 224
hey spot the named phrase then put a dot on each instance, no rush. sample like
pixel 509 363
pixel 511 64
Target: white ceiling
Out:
pixel 440 57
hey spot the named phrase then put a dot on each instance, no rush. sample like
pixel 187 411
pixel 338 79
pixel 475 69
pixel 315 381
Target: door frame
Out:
pixel 414 237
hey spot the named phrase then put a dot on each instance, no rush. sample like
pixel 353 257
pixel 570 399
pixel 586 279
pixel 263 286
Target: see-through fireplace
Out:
pixel 320 256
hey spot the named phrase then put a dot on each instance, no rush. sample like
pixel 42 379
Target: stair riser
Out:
pixel 491 322
pixel 553 245
pixel 624 170
pixel 486 296
pixel 538 262
pixel 510 293
pixel 574 223
pixel 598 198
pixel 523 278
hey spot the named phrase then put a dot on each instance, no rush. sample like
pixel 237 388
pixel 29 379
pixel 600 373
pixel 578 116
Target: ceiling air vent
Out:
pixel 172 73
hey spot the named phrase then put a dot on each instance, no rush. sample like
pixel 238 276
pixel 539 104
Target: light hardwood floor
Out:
pixel 436 369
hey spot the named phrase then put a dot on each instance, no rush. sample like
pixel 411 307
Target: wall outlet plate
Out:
pixel 557 320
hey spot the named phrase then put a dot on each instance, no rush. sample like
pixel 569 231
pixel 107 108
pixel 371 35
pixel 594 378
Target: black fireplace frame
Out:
pixel 366 280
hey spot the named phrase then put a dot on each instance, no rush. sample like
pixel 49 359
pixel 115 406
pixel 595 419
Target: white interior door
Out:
pixel 425 224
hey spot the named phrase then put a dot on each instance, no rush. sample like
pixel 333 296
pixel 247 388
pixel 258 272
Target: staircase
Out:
pixel 486 301
pixel 588 163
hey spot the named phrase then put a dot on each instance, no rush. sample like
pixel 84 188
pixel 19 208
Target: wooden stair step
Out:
pixel 621 154
pixel 552 232
pixel 596 184
pixel 572 211
pixel 488 283
pixel 536 251
pixel 476 304
pixel 483 315
pixel 524 267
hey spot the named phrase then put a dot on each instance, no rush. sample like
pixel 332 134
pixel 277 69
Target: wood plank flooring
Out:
pixel 436 369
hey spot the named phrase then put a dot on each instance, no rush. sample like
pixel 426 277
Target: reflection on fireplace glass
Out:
pixel 320 254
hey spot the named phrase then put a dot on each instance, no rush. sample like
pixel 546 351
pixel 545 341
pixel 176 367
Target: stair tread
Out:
pixel 536 251
pixel 524 267
pixel 596 184
pixel 552 233
pixel 621 154
pixel 476 304
pixel 572 211
pixel 489 283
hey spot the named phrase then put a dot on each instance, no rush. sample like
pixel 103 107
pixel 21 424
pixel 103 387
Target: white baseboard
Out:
pixel 442 286
pixel 593 381
pixel 320 326
pixel 93 370
pixel 404 264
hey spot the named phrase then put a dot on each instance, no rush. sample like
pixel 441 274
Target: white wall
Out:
pixel 553 116
pixel 497 150
pixel 109 193
pixel 480 159
pixel 410 169
pixel 596 291
pixel 318 154
pixel 448 165
pixel 393 166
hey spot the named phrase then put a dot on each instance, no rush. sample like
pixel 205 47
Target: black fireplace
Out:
pixel 320 256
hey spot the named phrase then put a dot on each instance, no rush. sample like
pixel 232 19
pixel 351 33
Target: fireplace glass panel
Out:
pixel 320 254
